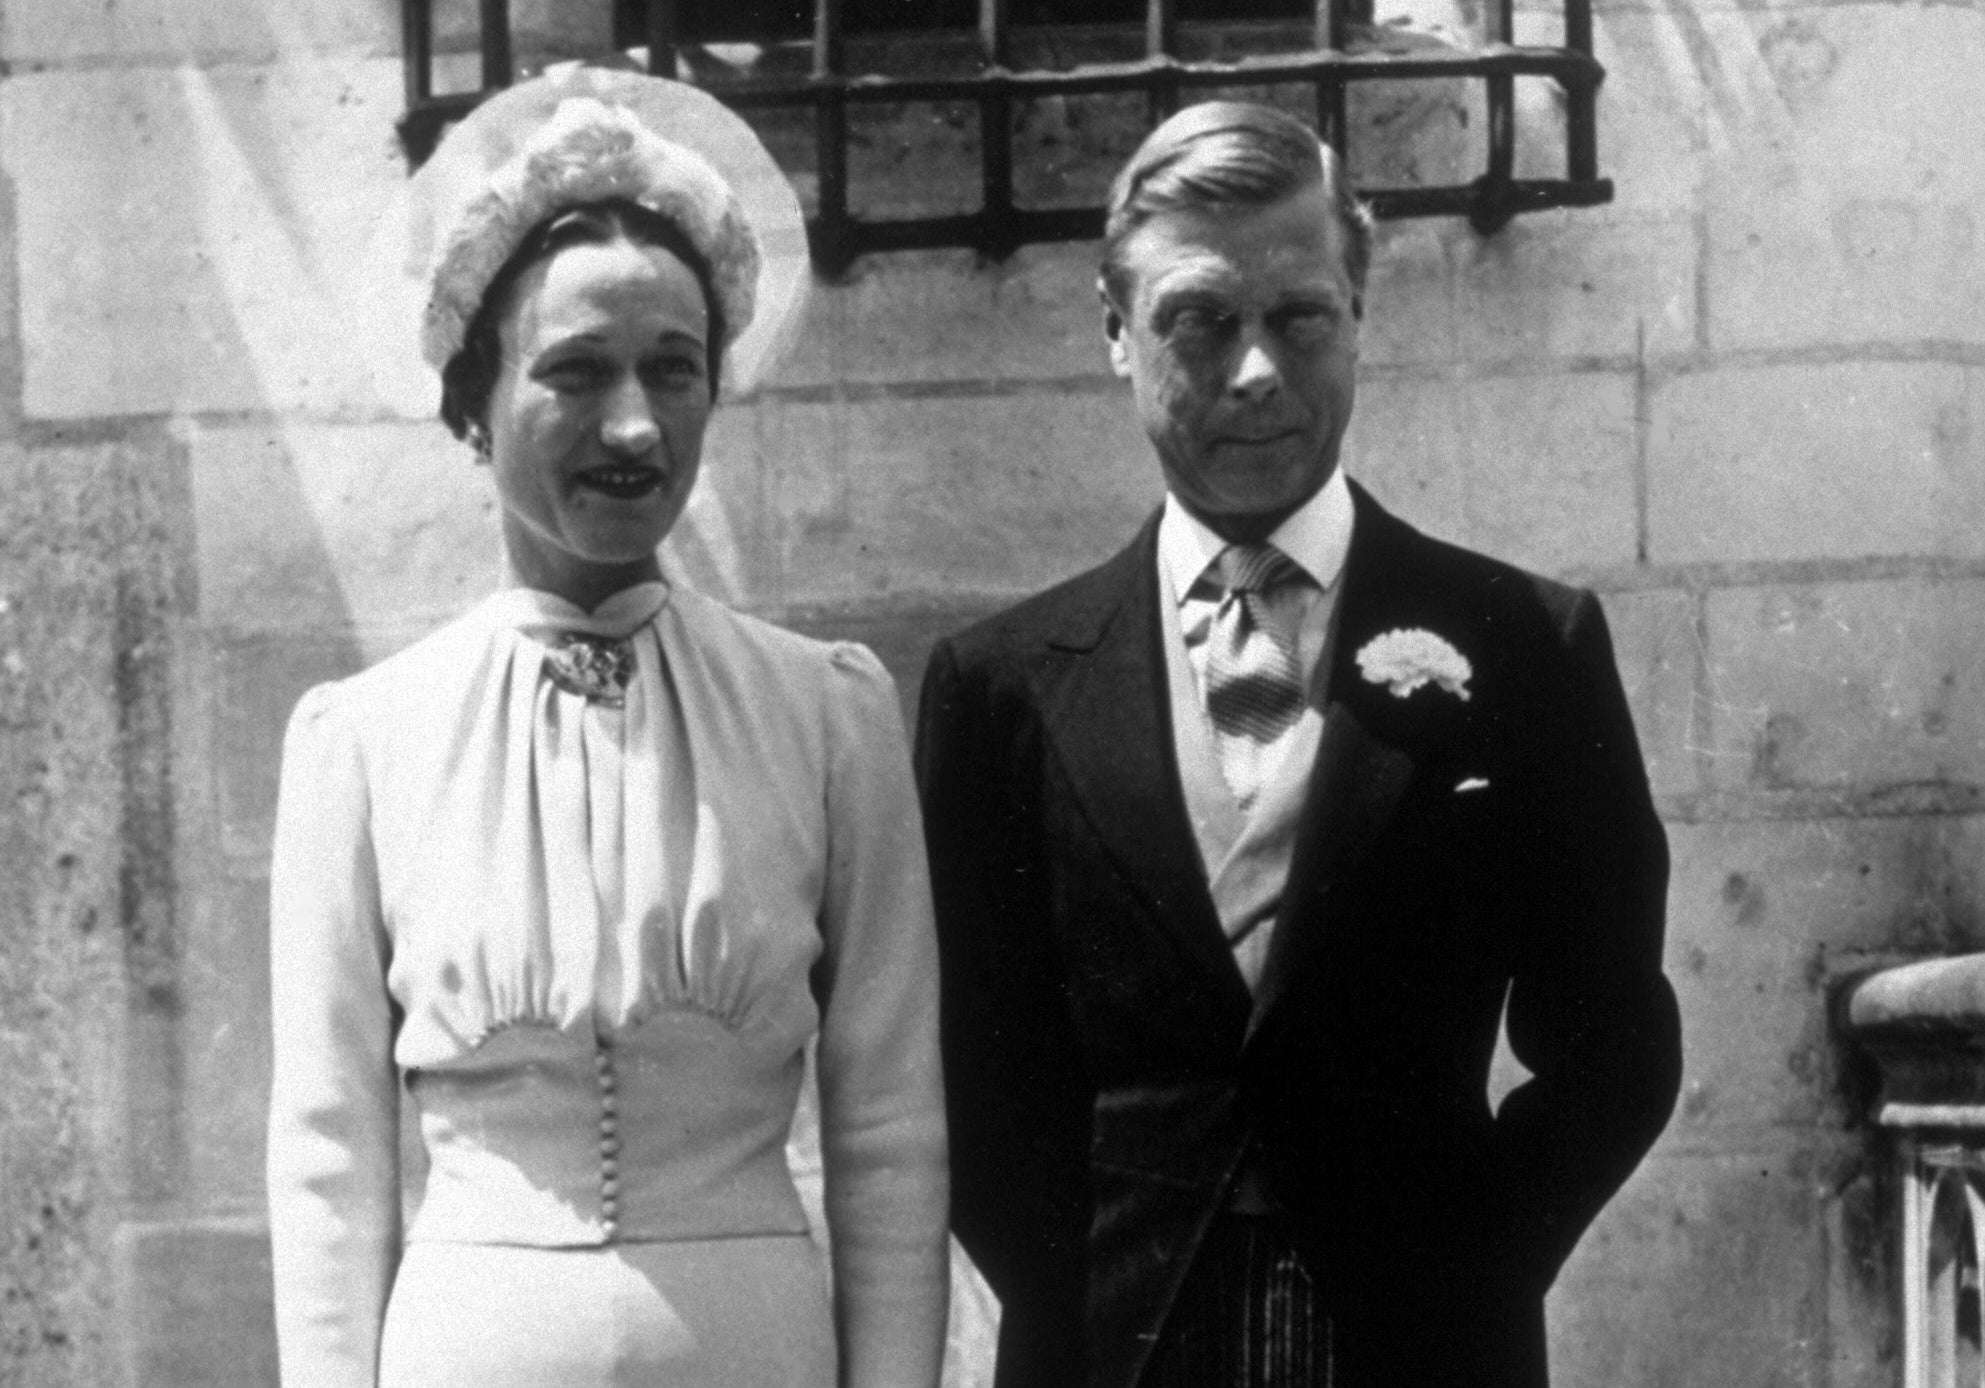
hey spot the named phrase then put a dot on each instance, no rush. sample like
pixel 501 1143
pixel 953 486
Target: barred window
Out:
pixel 758 21
pixel 1012 78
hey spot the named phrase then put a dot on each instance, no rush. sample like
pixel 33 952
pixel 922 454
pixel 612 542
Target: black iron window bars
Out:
pixel 999 226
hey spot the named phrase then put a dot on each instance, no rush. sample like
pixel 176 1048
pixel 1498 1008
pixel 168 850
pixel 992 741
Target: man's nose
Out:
pixel 1256 375
pixel 627 421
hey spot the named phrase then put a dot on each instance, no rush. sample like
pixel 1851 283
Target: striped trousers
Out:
pixel 1248 1316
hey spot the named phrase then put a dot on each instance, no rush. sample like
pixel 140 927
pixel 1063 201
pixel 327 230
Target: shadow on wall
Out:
pixel 259 519
pixel 320 549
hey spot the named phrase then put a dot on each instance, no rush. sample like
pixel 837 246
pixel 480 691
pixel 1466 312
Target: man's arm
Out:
pixel 1590 1013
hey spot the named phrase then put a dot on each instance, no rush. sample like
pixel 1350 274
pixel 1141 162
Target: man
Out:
pixel 1243 841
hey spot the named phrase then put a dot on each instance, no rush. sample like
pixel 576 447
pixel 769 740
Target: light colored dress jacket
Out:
pixel 512 901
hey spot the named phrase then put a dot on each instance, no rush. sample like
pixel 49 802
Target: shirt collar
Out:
pixel 1317 535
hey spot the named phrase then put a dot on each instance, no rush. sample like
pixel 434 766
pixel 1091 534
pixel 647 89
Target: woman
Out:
pixel 584 871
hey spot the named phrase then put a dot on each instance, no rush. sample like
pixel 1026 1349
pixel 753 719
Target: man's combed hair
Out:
pixel 1227 154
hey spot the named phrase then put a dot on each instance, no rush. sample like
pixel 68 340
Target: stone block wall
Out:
pixel 1746 401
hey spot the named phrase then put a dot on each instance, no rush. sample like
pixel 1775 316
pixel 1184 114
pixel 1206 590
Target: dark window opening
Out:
pixel 763 21
pixel 991 64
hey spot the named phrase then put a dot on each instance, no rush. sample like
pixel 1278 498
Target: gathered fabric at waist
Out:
pixel 674 1130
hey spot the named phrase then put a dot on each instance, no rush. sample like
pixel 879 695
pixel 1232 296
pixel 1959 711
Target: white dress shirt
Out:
pixel 1316 537
pixel 1246 835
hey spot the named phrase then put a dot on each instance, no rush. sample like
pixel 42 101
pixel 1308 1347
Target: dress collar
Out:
pixel 539 614
pixel 1316 536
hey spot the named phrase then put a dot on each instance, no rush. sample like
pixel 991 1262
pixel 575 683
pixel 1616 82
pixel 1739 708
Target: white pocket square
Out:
pixel 1472 783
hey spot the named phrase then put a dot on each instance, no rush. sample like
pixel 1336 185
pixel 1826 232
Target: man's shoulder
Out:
pixel 1073 611
pixel 1481 586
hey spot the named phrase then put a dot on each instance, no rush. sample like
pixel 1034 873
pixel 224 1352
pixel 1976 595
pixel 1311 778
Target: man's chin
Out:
pixel 1244 515
pixel 1247 525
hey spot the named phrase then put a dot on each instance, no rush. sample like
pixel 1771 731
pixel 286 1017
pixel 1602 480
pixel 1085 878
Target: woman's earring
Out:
pixel 479 440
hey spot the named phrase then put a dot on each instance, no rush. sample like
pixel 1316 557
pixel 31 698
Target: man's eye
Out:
pixel 676 369
pixel 1308 324
pixel 1200 323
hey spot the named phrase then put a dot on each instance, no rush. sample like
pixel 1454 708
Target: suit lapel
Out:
pixel 1369 753
pixel 1106 706
pixel 1354 789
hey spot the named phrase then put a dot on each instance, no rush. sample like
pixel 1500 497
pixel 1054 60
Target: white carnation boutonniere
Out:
pixel 1402 660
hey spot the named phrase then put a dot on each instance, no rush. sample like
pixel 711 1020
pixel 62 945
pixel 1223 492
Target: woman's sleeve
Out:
pixel 334 1184
pixel 881 1088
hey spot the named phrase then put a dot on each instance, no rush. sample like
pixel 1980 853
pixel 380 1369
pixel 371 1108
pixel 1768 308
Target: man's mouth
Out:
pixel 621 481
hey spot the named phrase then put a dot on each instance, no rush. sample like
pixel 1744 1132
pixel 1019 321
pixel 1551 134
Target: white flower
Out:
pixel 1403 660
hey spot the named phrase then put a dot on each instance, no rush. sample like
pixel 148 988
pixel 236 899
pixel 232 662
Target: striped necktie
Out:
pixel 1254 685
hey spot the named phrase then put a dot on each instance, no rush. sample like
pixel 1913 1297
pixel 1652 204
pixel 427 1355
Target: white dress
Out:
pixel 591 944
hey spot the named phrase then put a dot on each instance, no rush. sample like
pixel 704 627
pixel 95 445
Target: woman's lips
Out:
pixel 622 481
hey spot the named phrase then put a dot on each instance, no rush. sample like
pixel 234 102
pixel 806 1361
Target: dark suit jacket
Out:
pixel 1109 1072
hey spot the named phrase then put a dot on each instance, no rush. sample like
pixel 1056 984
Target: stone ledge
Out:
pixel 197 1302
pixel 1933 997
pixel 1879 800
pixel 1923 1025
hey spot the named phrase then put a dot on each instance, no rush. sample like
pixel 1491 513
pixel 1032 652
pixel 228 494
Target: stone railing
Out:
pixel 1923 1025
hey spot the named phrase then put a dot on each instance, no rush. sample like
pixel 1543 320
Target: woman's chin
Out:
pixel 621 530
pixel 626 556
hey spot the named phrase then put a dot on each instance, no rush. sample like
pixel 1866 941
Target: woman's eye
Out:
pixel 574 374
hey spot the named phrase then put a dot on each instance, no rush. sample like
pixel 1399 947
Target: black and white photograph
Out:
pixel 992 694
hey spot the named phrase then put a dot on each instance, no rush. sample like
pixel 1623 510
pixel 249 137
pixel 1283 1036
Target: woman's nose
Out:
pixel 627 419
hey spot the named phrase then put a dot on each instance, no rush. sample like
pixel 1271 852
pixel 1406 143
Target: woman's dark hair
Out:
pixel 470 376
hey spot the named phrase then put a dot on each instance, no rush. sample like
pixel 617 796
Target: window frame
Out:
pixel 1329 66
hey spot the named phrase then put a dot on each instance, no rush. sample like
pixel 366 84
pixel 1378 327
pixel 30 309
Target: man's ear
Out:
pixel 1113 326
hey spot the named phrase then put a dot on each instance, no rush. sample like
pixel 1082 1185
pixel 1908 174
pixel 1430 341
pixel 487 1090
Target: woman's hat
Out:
pixel 582 134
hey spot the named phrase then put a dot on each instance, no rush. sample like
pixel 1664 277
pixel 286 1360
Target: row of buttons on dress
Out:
pixel 609 1143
